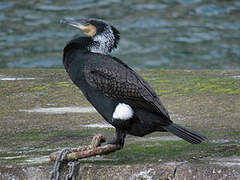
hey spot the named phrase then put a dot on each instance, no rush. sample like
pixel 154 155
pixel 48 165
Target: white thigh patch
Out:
pixel 123 112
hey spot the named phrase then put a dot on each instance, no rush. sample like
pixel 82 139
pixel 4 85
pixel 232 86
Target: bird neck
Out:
pixel 81 43
pixel 103 43
pixel 97 44
pixel 78 44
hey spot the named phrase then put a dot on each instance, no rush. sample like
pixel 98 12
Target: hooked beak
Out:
pixel 82 25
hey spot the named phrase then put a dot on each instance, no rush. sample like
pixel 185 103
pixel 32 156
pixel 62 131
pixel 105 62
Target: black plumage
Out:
pixel 113 88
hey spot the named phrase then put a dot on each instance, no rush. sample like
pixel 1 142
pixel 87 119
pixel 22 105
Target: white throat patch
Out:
pixel 123 112
pixel 104 41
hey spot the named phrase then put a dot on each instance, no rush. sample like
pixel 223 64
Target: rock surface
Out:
pixel 41 111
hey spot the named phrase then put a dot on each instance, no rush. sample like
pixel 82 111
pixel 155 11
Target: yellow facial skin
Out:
pixel 90 30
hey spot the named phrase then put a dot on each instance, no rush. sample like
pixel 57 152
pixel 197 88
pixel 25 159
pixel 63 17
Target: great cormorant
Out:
pixel 119 94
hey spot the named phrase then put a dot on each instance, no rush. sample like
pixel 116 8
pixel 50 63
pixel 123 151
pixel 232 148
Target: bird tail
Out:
pixel 184 133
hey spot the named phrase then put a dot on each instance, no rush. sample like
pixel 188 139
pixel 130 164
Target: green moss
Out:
pixel 217 85
pixel 64 84
pixel 162 92
pixel 38 88
pixel 234 133
pixel 195 83
pixel 162 81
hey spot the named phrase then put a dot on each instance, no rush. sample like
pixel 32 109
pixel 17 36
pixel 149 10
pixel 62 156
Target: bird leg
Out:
pixel 119 140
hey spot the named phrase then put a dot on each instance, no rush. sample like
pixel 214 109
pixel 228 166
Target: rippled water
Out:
pixel 189 34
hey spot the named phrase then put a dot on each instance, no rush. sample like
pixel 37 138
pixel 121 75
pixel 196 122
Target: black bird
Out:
pixel 119 94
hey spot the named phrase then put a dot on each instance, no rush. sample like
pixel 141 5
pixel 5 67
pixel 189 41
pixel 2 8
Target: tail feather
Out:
pixel 184 133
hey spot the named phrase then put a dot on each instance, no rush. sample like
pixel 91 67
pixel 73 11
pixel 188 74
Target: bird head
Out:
pixel 105 37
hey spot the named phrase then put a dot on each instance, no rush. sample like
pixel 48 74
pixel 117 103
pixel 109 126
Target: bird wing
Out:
pixel 115 79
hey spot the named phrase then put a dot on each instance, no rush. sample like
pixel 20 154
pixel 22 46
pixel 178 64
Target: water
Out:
pixel 175 34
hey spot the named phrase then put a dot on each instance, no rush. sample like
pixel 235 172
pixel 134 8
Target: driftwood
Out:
pixel 87 151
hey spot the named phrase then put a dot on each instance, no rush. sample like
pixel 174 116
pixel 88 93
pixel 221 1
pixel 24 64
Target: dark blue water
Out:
pixel 175 34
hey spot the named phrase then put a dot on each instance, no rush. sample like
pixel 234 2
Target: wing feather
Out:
pixel 116 80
